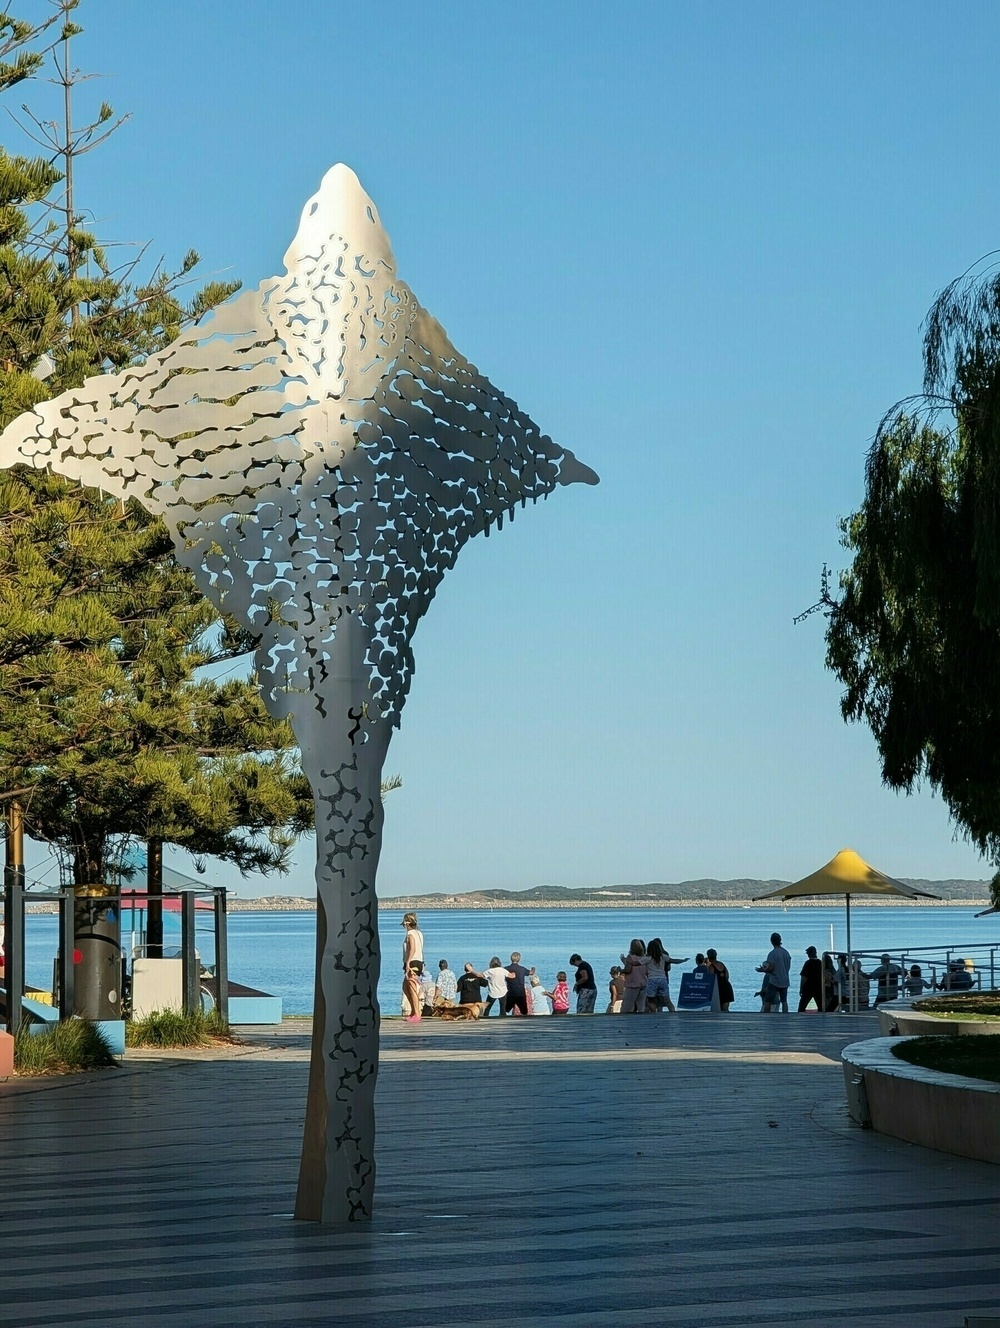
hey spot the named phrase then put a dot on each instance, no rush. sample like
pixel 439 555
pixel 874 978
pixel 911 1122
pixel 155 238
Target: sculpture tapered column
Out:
pixel 337 1171
pixel 320 452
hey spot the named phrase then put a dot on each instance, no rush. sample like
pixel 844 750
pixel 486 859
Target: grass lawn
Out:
pixel 977 1056
pixel 974 1005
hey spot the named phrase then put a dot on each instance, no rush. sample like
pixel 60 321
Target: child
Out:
pixel 426 990
pixel 915 983
pixel 616 988
pixel 560 995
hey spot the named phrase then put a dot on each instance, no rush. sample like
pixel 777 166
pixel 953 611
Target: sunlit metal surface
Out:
pixel 320 452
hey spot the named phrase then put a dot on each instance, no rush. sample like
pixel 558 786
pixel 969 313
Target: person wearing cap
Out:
pixel 887 976
pixel 811 980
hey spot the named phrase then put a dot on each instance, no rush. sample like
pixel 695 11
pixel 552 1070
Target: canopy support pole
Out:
pixel 850 964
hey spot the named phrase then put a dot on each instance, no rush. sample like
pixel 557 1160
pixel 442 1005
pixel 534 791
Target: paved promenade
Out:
pixel 625 1171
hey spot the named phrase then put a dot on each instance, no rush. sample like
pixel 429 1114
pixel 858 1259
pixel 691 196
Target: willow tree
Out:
pixel 914 633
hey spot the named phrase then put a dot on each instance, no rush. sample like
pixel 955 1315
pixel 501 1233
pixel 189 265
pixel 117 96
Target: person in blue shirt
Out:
pixel 777 966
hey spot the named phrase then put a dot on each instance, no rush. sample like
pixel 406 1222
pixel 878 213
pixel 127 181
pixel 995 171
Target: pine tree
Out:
pixel 103 713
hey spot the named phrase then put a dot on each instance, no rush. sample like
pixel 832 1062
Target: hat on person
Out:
pixel 811 950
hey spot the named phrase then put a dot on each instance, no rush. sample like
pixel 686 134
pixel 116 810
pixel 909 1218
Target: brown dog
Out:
pixel 471 1011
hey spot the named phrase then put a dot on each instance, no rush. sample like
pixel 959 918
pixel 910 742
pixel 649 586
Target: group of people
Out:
pixel 640 984
pixel 511 988
pixel 817 979
pixel 845 985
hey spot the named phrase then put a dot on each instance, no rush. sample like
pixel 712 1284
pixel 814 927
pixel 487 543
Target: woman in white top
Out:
pixel 413 948
pixel 496 987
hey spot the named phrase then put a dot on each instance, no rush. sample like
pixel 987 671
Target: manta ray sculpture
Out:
pixel 320 452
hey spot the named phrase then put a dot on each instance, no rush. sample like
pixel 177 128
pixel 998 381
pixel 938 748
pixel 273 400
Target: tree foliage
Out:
pixel 66 312
pixel 105 713
pixel 914 634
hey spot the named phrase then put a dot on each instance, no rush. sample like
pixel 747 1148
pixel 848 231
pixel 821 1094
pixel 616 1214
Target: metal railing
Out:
pixel 974 966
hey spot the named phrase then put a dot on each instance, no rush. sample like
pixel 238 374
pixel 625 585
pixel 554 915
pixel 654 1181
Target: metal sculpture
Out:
pixel 320 453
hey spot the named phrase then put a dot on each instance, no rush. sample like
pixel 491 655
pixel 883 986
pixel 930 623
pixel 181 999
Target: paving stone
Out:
pixel 652 1170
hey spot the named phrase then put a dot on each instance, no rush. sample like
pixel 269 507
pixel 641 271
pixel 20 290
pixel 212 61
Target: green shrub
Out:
pixel 69 1047
pixel 173 1028
pixel 976 1056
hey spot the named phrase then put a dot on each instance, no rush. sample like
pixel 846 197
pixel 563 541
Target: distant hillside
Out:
pixel 702 891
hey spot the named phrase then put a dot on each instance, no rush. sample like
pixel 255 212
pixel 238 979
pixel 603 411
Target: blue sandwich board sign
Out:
pixel 699 990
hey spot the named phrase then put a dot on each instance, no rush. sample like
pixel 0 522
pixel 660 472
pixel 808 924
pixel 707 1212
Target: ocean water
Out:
pixel 275 952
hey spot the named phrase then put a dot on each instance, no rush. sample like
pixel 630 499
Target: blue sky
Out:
pixel 695 242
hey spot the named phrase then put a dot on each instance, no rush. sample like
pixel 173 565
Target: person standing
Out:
pixel 470 986
pixel 658 963
pixel 843 983
pixel 854 985
pixel 446 987
pixel 887 975
pixel 634 963
pixel 517 1000
pixel 559 995
pixel 726 993
pixel 778 967
pixel 584 985
pixel 616 989
pixel 496 987
pixel 811 980
pixel 413 952
pixel 831 999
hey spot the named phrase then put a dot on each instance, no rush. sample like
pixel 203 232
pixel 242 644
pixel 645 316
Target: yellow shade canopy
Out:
pixel 847 874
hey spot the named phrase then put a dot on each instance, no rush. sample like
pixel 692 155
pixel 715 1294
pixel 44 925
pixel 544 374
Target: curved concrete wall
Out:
pixel 903 1019
pixel 944 1111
